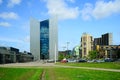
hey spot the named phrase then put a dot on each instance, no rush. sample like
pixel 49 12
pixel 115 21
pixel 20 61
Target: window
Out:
pixel 44 39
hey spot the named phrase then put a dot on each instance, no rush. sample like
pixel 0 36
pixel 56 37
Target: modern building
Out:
pixel 44 39
pixel 105 39
pixel 12 55
pixel 108 51
pixel 77 51
pixel 86 44
pixel 97 41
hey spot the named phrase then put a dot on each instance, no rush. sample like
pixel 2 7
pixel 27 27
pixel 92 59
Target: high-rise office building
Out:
pixel 44 39
pixel 86 44
pixel 97 41
pixel 105 39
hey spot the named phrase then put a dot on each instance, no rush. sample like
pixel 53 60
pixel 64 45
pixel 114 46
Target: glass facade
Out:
pixel 44 39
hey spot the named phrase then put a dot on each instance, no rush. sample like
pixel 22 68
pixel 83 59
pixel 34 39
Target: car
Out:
pixel 90 61
pixel 100 61
pixel 71 60
pixel 64 60
pixel 82 60
pixel 108 60
pixel 50 61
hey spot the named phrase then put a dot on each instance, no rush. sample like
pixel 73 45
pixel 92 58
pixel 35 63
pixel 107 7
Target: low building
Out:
pixel 108 51
pixel 77 52
pixel 6 55
pixel 12 55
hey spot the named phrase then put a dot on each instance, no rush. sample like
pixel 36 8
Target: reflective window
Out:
pixel 44 39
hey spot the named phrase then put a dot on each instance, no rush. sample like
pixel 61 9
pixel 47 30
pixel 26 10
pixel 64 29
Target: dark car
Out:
pixel 82 60
pixel 109 60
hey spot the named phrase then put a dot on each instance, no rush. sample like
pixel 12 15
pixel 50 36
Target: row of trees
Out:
pixel 94 54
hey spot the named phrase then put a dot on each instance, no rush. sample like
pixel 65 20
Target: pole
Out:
pixel 55 52
pixel 67 46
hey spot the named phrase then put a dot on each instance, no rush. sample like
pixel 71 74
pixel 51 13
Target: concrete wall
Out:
pixel 53 42
pixel 35 38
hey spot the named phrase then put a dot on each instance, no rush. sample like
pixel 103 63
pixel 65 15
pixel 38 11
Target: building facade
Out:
pixel 108 51
pixel 105 39
pixel 12 55
pixel 44 39
pixel 86 44
pixel 77 51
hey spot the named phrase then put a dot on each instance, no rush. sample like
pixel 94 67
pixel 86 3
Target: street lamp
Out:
pixel 64 48
pixel 55 52
pixel 68 44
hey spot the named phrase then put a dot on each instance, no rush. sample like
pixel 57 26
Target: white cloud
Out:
pixel 86 11
pixel 5 24
pixel 103 9
pixel 1 1
pixel 60 9
pixel 11 3
pixel 9 15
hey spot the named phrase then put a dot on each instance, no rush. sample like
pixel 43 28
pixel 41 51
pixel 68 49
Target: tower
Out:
pixel 44 39
pixel 86 44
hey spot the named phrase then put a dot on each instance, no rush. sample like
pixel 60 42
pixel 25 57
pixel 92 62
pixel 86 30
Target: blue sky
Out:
pixel 75 17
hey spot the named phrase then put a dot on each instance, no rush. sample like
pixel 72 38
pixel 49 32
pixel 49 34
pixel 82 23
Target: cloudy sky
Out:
pixel 95 17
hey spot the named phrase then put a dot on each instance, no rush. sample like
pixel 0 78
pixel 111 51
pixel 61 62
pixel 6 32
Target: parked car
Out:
pixel 71 60
pixel 100 61
pixel 109 60
pixel 82 60
pixel 90 61
pixel 64 60
pixel 50 61
pixel 94 60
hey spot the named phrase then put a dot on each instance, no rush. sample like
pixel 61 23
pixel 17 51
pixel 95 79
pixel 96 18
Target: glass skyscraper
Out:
pixel 44 39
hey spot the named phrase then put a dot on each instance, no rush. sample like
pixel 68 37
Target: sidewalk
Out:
pixel 43 64
pixel 28 64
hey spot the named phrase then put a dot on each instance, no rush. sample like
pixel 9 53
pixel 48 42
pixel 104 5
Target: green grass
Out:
pixel 19 73
pixel 107 65
pixel 79 74
pixel 55 73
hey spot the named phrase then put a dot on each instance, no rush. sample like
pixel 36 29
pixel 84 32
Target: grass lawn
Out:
pixel 79 74
pixel 107 65
pixel 57 73
pixel 20 73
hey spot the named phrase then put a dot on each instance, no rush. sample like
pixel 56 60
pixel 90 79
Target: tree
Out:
pixel 118 53
pixel 61 56
pixel 93 54
pixel 101 54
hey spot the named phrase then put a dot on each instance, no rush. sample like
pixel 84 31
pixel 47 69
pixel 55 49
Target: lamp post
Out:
pixel 64 48
pixel 55 52
pixel 67 46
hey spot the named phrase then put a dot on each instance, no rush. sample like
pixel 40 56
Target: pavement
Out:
pixel 27 64
pixel 44 64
